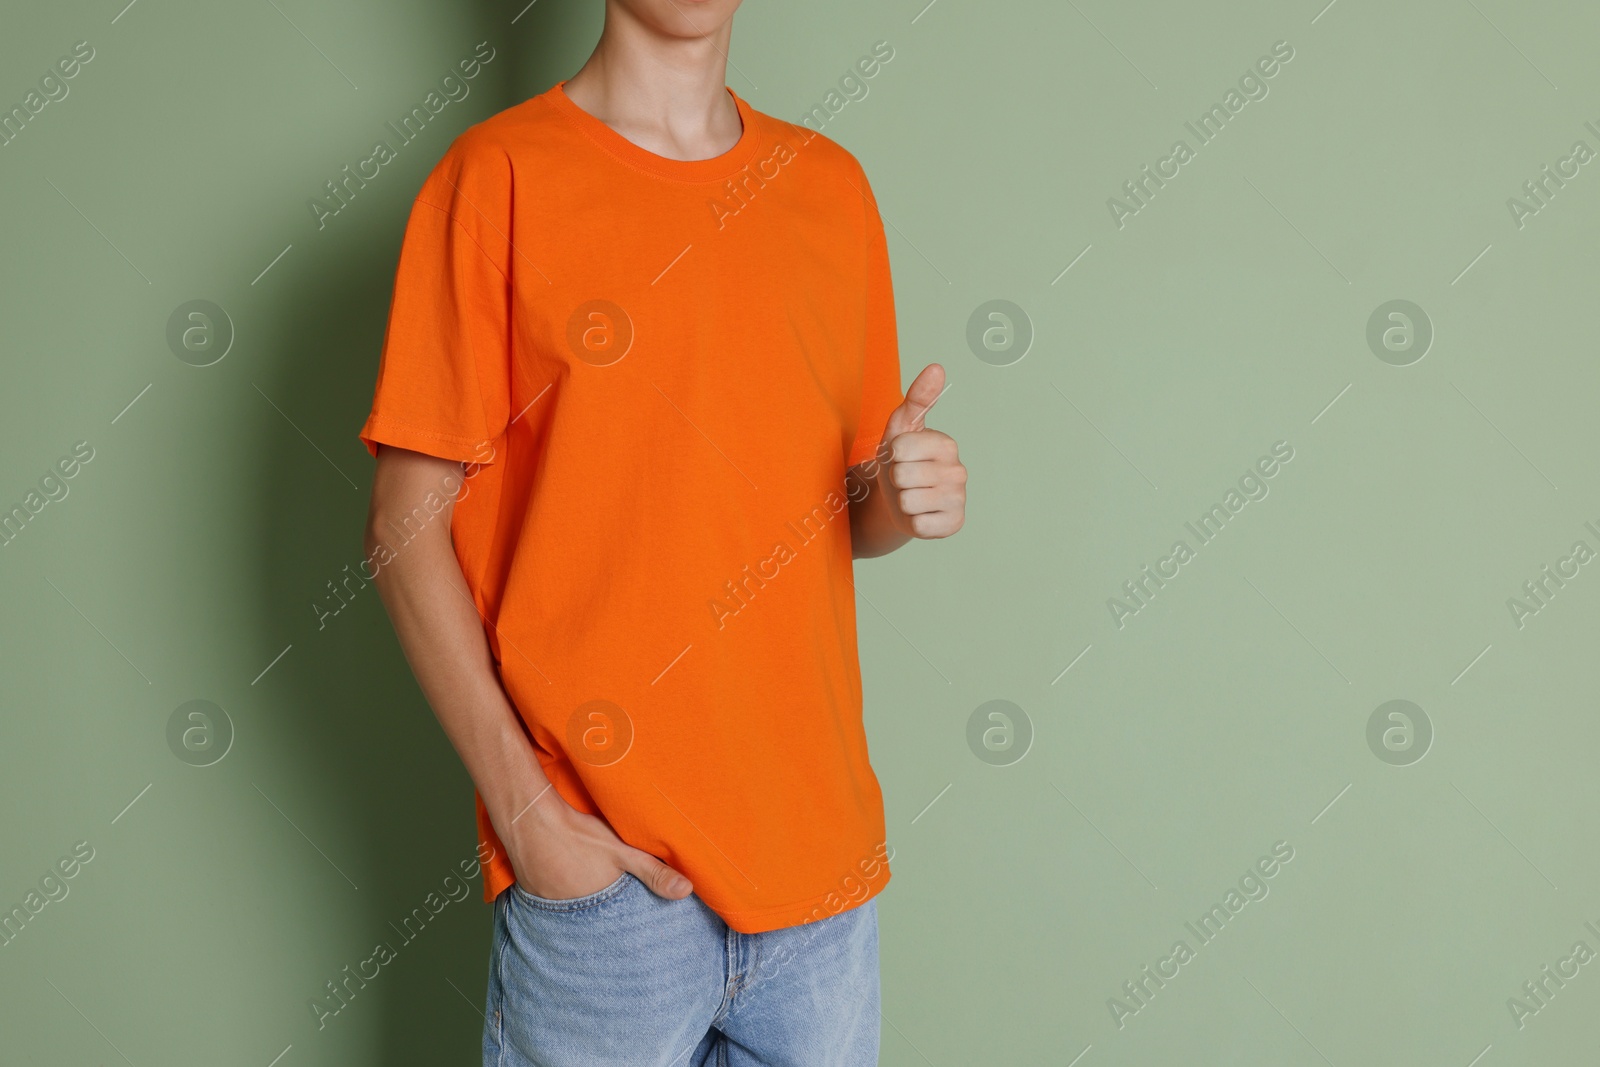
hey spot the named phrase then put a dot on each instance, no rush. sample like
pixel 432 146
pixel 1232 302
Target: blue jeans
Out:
pixel 623 978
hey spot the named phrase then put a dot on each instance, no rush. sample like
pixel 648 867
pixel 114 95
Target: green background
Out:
pixel 1229 714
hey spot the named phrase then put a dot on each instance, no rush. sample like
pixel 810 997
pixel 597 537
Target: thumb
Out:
pixel 920 396
pixel 660 879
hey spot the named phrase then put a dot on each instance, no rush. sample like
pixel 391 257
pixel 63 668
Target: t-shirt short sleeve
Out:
pixel 880 378
pixel 444 377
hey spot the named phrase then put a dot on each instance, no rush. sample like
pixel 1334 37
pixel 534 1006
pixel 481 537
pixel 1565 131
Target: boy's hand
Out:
pixel 560 853
pixel 919 471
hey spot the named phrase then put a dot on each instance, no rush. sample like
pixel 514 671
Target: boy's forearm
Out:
pixel 442 635
pixel 552 848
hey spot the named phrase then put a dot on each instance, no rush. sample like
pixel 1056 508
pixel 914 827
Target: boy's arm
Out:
pixel 917 483
pixel 555 850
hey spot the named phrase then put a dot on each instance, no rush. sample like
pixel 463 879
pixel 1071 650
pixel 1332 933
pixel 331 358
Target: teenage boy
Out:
pixel 638 406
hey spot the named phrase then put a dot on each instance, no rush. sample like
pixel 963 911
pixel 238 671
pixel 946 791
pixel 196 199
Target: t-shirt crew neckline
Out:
pixel 686 170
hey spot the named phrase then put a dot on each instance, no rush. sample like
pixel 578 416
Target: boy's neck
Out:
pixel 666 94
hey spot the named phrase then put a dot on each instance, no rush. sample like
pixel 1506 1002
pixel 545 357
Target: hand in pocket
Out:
pixel 559 853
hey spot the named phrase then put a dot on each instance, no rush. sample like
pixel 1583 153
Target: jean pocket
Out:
pixel 574 903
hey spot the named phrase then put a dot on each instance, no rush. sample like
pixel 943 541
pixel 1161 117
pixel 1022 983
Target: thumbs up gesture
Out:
pixel 919 471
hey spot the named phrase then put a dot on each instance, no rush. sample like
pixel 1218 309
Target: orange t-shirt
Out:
pixel 659 372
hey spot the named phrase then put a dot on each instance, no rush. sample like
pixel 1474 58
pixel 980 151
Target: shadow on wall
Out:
pixel 351 716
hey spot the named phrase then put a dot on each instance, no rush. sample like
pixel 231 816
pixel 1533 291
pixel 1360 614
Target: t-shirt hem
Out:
pixel 497 880
pixel 381 429
pixel 782 916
